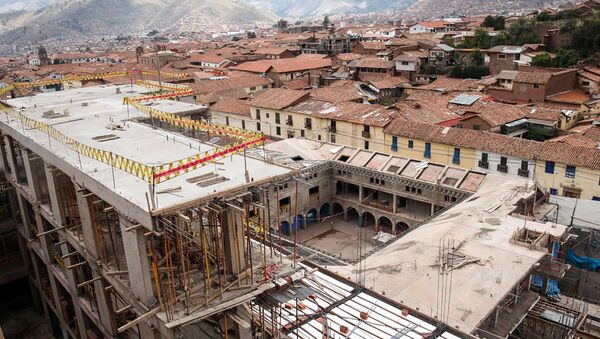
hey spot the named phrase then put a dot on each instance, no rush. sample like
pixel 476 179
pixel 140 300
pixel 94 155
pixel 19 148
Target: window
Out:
pixel 484 157
pixel 302 133
pixel 366 145
pixel 456 157
pixel 427 153
pixel 536 85
pixel 227 121
pixel 243 124
pixel 549 167
pixel 411 144
pixel 277 118
pixel 524 165
pixel 319 137
pixel 394 143
pixel 585 83
pixel 258 126
pixel 333 138
pixel 595 198
pixel 257 114
pixel 253 88
pixel 501 56
pixel 553 191
pixel 570 172
pixel 476 127
pixel 267 115
pixel 404 63
pixel 503 161
pixel 278 130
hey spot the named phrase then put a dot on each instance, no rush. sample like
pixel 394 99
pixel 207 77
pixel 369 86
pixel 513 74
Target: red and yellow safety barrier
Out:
pixel 151 174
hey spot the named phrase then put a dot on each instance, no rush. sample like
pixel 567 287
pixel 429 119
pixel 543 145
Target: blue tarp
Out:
pixel 586 263
pixel 553 289
pixel 538 281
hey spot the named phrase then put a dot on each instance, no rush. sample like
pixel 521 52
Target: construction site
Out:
pixel 134 216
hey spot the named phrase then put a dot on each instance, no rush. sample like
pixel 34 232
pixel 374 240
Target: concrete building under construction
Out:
pixel 138 219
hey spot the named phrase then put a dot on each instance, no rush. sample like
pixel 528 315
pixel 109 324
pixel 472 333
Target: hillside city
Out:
pixel 246 169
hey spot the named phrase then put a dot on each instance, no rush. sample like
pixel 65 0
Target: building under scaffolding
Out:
pixel 140 222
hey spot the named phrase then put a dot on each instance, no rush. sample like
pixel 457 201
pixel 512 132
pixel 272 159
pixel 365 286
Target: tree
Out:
pixel 586 39
pixel 482 39
pixel 496 22
pixel 521 33
pixel 475 72
pixel 326 22
pixel 456 71
pixel 566 58
pixel 251 34
pixel 543 16
pixel 477 58
pixel 542 60
pixel 568 26
pixel 282 24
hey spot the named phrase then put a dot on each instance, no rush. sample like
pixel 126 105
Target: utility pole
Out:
pixel 158 68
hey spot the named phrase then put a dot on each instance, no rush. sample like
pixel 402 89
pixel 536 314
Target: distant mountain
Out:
pixel 23 5
pixel 84 18
pixel 312 8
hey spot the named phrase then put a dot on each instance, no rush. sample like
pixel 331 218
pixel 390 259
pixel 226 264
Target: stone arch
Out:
pixel 338 209
pixel 311 216
pixel 352 214
pixel 401 227
pixel 385 224
pixel 324 211
pixel 285 228
pixel 368 219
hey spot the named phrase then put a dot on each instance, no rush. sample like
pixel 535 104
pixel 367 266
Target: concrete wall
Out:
pixel 496 64
pixel 494 159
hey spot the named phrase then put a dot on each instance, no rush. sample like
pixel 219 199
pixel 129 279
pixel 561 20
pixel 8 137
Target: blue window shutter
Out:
pixel 553 191
pixel 394 144
pixel 456 157
pixel 549 167
pixel 427 153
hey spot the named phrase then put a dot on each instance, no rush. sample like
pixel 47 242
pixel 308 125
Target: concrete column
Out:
pixel 25 216
pixel 32 183
pixel 138 267
pixel 243 331
pixel 432 209
pixel 72 282
pixel 53 194
pixel 10 157
pixel 105 308
pixel 87 224
pixel 395 202
pixel 234 246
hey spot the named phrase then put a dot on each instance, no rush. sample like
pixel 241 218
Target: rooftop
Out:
pixel 86 115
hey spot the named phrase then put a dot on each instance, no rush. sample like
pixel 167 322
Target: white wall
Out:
pixel 514 164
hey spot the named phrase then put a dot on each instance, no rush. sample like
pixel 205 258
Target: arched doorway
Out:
pixel 337 209
pixel 324 211
pixel 311 217
pixel 401 227
pixel 352 216
pixel 384 224
pixel 298 222
pixel 368 220
pixel 285 227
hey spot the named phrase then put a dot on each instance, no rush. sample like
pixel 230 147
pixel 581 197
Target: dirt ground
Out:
pixel 338 237
pixel 18 317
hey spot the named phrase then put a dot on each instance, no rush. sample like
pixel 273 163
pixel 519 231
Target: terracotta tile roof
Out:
pixel 211 98
pixel 286 65
pixel 348 56
pixel 338 93
pixel 363 114
pixel 278 98
pixel 233 106
pixel 390 82
pixel 497 114
pixel 451 84
pixel 532 77
pixel 372 63
pixel 575 96
pixel 589 75
pixel 250 80
pixel 299 83
pixel 271 50
pixel 571 155
pixel 433 24
pixel 373 45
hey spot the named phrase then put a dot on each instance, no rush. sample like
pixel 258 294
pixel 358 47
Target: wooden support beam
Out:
pixel 39 235
pixel 138 320
pixel 77 265
pixel 60 243
pixel 108 209
pixel 116 273
pixel 133 228
pixel 69 255
pixel 88 282
pixel 96 202
pixel 121 310
pixel 87 195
